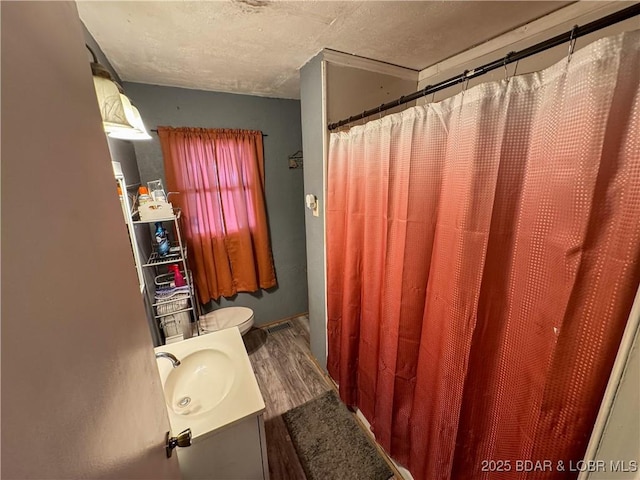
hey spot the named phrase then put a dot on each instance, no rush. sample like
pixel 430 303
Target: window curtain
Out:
pixel 219 175
pixel 483 256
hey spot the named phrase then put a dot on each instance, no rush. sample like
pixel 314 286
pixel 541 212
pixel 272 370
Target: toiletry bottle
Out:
pixel 162 240
pixel 123 205
pixel 143 195
pixel 157 191
pixel 178 279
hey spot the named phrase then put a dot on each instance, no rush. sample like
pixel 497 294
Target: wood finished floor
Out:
pixel 287 378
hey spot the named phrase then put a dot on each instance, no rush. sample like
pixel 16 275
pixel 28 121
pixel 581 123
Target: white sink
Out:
pixel 201 382
pixel 213 387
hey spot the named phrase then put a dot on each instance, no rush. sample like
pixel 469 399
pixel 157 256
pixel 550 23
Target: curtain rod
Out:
pixel 155 130
pixel 570 36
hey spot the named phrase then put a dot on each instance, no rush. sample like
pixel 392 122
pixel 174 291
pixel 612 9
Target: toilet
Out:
pixel 228 317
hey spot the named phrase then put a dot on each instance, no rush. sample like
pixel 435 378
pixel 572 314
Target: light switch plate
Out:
pixel 312 203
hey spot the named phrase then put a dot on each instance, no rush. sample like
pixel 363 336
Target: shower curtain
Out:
pixel 483 255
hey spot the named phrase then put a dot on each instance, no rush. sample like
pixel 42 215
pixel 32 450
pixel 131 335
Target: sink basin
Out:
pixel 214 385
pixel 203 380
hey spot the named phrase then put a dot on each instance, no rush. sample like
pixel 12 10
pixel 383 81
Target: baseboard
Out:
pixel 282 320
pixel 399 472
pixel 323 373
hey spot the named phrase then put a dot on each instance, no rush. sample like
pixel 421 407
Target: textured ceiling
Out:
pixel 257 46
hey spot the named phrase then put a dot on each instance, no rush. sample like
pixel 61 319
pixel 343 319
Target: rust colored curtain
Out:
pixel 483 256
pixel 220 177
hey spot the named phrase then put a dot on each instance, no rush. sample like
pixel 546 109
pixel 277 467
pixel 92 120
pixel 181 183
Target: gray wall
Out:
pixel 123 151
pixel 280 120
pixel 330 93
pixel 100 56
pixel 313 126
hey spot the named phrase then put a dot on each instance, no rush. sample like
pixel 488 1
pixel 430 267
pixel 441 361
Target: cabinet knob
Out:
pixel 182 440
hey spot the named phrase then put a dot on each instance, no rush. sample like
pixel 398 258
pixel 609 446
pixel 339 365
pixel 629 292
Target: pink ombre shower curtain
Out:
pixel 483 256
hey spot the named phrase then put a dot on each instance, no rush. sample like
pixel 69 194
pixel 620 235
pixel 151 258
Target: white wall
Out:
pixel 81 396
pixel 620 441
pixel 614 447
pixel 546 27
pixel 352 90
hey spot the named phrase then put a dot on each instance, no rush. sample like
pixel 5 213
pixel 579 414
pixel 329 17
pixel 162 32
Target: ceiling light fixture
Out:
pixel 120 119
pixel 138 132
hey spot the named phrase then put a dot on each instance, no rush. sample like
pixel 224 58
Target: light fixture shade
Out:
pixel 111 106
pixel 138 132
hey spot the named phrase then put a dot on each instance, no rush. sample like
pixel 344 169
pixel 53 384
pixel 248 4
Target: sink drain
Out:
pixel 184 401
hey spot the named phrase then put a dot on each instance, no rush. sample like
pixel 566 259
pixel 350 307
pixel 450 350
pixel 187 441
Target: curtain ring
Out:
pixel 572 42
pixel 424 95
pixel 465 81
pixel 515 68
pixel 504 65
pixel 465 85
pixel 506 59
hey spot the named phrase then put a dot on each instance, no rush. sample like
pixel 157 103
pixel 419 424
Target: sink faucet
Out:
pixel 174 361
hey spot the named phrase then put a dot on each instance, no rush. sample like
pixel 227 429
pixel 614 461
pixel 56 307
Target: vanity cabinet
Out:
pixel 236 452
pixel 224 410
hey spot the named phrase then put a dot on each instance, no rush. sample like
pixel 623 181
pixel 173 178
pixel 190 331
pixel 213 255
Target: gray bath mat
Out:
pixel 330 444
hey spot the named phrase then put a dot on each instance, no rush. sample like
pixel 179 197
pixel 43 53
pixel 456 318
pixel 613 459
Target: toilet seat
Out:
pixel 228 317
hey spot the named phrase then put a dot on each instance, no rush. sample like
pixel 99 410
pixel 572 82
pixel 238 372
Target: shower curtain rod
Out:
pixel 570 36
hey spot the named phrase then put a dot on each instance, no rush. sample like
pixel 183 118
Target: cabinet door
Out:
pixel 235 453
